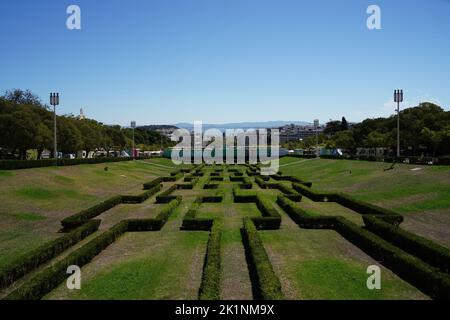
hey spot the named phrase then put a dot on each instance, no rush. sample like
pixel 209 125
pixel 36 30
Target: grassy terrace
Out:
pixel 35 200
pixel 167 264
pixel 420 193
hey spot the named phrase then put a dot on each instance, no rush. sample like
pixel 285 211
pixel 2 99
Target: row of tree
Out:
pixel 27 124
pixel 424 130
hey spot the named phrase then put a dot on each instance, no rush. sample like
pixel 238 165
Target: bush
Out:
pixel 210 286
pixel 211 199
pixel 429 251
pixel 151 184
pixel 260 182
pixel 210 186
pixel 426 278
pixel 130 199
pixel 241 196
pixel 302 218
pixel 366 208
pixel 175 173
pixel 356 205
pixel 155 224
pixel 45 281
pixel 31 260
pixel 268 284
pixel 166 197
pixel 236 179
pixel 82 217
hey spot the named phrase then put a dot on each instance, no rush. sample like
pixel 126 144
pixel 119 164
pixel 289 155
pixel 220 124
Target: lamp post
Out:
pixel 398 97
pixel 316 128
pixel 133 125
pixel 54 101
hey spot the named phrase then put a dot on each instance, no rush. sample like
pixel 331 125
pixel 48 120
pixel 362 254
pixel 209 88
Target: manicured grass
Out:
pixel 421 196
pixel 320 264
pixel 143 266
pixel 401 188
pixel 167 264
pixel 34 201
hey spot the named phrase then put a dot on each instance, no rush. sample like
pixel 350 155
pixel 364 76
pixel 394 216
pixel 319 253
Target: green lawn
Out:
pixel 311 264
pixel 420 193
pixel 34 201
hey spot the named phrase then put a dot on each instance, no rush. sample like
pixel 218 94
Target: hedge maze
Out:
pixel 418 261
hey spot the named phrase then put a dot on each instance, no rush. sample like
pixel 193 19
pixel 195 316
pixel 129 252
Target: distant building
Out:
pixel 292 132
pixel 81 116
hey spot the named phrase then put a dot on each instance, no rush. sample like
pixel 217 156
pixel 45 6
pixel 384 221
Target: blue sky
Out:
pixel 168 61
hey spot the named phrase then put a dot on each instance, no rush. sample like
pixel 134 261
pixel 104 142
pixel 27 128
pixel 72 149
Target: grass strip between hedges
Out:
pixel 30 261
pixel 268 284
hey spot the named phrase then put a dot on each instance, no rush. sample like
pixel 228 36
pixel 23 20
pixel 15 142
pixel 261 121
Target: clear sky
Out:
pixel 168 61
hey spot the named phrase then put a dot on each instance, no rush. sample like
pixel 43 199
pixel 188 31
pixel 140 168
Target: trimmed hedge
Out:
pixel 423 276
pixel 31 260
pixel 176 172
pixel 82 217
pixel 28 164
pixel 51 277
pixel 155 224
pixel 216 178
pixel 268 284
pixel 291 179
pixel 270 220
pixel 427 250
pixel 166 197
pixel 241 196
pixel 159 221
pixel 151 184
pixel 236 179
pixel 130 199
pixel 210 286
pixel 191 222
pixel 302 218
pixel 359 206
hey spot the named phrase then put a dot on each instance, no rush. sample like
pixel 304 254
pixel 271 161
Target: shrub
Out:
pixel 210 286
pixel 367 208
pixel 151 184
pixel 427 250
pixel 241 196
pixel 268 284
pixel 211 199
pixel 260 182
pixel 302 218
pixel 82 217
pixel 175 173
pixel 31 260
pixel 356 205
pixel 142 197
pixel 166 197
pixel 210 186
pixel 45 281
pixel 155 224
